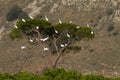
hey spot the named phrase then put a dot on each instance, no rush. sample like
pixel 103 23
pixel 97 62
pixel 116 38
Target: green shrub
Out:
pixel 115 33
pixel 84 32
pixel 69 75
pixel 15 12
pixel 54 74
pixel 15 33
pixel 23 15
pixel 25 76
pixel 109 11
pixel 110 28
pixel 6 76
pixel 74 47
pixel 93 77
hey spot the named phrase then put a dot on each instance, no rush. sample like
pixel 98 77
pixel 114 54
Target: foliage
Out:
pixel 25 76
pixel 110 28
pixel 16 13
pixel 6 76
pixel 46 28
pixel 74 47
pixel 54 74
pixel 84 32
pixel 30 24
pixel 22 15
pixel 15 33
pixel 109 11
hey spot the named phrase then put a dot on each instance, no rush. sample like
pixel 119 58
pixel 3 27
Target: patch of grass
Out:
pixel 74 48
pixel 54 74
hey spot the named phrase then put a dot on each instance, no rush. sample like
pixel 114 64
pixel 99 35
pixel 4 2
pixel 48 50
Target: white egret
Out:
pixel 66 45
pixel 31 40
pixel 68 35
pixel 23 47
pixel 60 21
pixel 45 39
pixel 70 21
pixel 23 20
pixel 45 49
pixel 88 25
pixel 46 18
pixel 37 27
pixel 92 32
pixel 78 27
pixel 62 45
pixel 30 17
pixel 16 26
pixel 56 31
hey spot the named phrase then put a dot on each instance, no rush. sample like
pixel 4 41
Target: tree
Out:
pixel 58 37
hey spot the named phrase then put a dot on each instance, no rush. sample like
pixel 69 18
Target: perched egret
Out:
pixel 78 27
pixel 45 49
pixel 31 40
pixel 70 21
pixel 30 17
pixel 68 35
pixel 37 27
pixel 56 31
pixel 66 45
pixel 23 20
pixel 60 21
pixel 62 45
pixel 45 39
pixel 92 32
pixel 88 25
pixel 23 47
pixel 46 18
pixel 15 26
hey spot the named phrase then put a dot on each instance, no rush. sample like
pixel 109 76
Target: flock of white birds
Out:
pixel 45 39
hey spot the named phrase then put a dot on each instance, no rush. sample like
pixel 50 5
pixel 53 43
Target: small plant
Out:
pixel 110 28
pixel 16 13
pixel 115 33
pixel 15 33
pixel 109 11
pixel 74 48
pixel 54 74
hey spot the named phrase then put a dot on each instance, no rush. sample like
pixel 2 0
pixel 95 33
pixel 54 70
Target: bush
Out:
pixel 110 28
pixel 74 48
pixel 93 77
pixel 54 74
pixel 15 12
pixel 22 15
pixel 15 33
pixel 109 11
pixel 25 76
pixel 115 33
pixel 6 76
